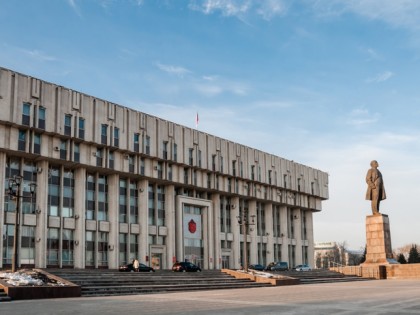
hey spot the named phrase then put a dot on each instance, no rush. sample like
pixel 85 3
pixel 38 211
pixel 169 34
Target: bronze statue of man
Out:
pixel 376 189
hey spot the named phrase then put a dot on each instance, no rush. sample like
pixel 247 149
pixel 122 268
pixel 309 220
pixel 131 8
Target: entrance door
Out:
pixel 156 261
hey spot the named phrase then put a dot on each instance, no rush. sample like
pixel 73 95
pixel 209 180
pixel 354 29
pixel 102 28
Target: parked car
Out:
pixel 185 266
pixel 257 267
pixel 278 266
pixel 303 268
pixel 142 268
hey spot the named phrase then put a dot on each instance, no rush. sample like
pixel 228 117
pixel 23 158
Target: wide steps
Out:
pixel 99 282
pixel 3 296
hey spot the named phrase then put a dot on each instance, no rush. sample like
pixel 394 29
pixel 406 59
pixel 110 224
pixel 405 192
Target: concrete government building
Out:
pixel 113 183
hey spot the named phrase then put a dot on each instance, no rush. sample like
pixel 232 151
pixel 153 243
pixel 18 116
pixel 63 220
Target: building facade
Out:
pixel 113 184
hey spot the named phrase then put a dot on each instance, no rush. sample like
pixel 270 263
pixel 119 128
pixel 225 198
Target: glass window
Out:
pixel 81 128
pixel 22 140
pixel 41 117
pixel 26 114
pixel 104 134
pixel 67 125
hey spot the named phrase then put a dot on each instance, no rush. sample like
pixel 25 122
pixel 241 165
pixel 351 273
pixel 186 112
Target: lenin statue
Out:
pixel 375 191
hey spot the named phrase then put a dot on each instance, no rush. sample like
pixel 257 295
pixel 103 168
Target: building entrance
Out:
pixel 193 235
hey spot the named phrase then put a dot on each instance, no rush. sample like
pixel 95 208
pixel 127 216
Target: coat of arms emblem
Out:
pixel 192 226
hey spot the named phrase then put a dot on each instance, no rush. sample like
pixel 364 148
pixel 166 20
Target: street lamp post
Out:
pixel 14 193
pixel 243 221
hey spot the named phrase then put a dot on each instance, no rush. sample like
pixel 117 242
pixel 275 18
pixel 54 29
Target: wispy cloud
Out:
pixel 362 116
pixel 38 55
pixel 381 77
pixel 75 7
pixel 215 85
pixel 274 104
pixel 240 8
pixel 397 13
pixel 176 70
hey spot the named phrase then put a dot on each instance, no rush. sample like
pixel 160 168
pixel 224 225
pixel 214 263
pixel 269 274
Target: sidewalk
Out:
pixel 364 297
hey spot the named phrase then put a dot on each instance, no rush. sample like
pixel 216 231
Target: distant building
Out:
pixel 115 184
pixel 331 254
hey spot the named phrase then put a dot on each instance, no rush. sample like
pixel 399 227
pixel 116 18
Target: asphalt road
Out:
pixel 366 297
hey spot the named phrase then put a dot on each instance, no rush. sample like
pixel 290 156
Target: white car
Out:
pixel 303 268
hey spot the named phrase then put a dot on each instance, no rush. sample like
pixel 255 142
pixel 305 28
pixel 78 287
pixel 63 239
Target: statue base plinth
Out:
pixel 378 241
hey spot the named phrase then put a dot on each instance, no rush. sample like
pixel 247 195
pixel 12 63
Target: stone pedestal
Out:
pixel 378 240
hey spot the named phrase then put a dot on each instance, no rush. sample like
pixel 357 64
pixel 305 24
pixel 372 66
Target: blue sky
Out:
pixel 332 84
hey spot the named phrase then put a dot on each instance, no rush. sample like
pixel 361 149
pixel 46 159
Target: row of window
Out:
pixel 255 170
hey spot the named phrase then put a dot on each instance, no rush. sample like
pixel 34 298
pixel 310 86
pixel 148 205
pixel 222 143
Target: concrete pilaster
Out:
pixel 310 236
pixel 113 217
pixel 253 248
pixel 143 204
pixel 297 218
pixel 216 227
pixel 79 213
pixel 269 229
pixel 283 233
pixel 236 231
pixel 41 210
pixel 2 197
pixel 170 224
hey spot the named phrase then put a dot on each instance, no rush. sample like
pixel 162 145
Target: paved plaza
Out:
pixel 365 297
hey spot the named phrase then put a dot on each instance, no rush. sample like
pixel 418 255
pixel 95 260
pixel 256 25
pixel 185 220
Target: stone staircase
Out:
pixel 3 296
pixel 104 282
pixel 320 276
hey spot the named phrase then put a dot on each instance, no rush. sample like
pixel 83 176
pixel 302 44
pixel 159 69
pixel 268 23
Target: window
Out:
pixel 53 245
pixel 175 152
pixel 90 249
pixel 131 163
pixel 213 162
pixel 68 194
pixel 123 201
pixel 26 114
pixel 161 205
pixel 104 134
pixel 185 175
pixel 41 117
pixel 134 208
pixel 90 197
pixel 151 196
pixel 76 152
pixel 269 177
pixel 67 125
pixel 54 191
pixel 27 249
pixel 252 172
pixel 63 149
pixel 165 150
pixel 81 128
pixel 137 142
pixel 116 137
pixel 37 143
pixel 103 249
pixel 160 170
pixel 122 237
pixel 147 145
pixel 102 198
pixel 190 156
pixel 22 140
pixel 234 168
pixel 67 243
pixel 142 166
pixel 199 158
pixel 111 159
pixel 221 164
pixel 134 245
pixel 170 172
pixel 99 157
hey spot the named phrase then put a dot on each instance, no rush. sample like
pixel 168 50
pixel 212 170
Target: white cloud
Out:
pixel 176 70
pixel 38 55
pixel 381 77
pixel 397 13
pixel 362 116
pixel 75 7
pixel 215 85
pixel 274 104
pixel 267 9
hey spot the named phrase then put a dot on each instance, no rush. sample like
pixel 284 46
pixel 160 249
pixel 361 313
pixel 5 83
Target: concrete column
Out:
pixel 297 219
pixel 215 199
pixel 143 205
pixel 283 231
pixel 2 195
pixel 79 212
pixel 170 224
pixel 41 230
pixel 113 216
pixel 253 248
pixel 310 236
pixel 179 236
pixel 269 229
pixel 236 231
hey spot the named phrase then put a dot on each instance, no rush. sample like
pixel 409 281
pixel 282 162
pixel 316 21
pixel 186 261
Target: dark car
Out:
pixel 278 266
pixel 142 268
pixel 185 267
pixel 256 267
